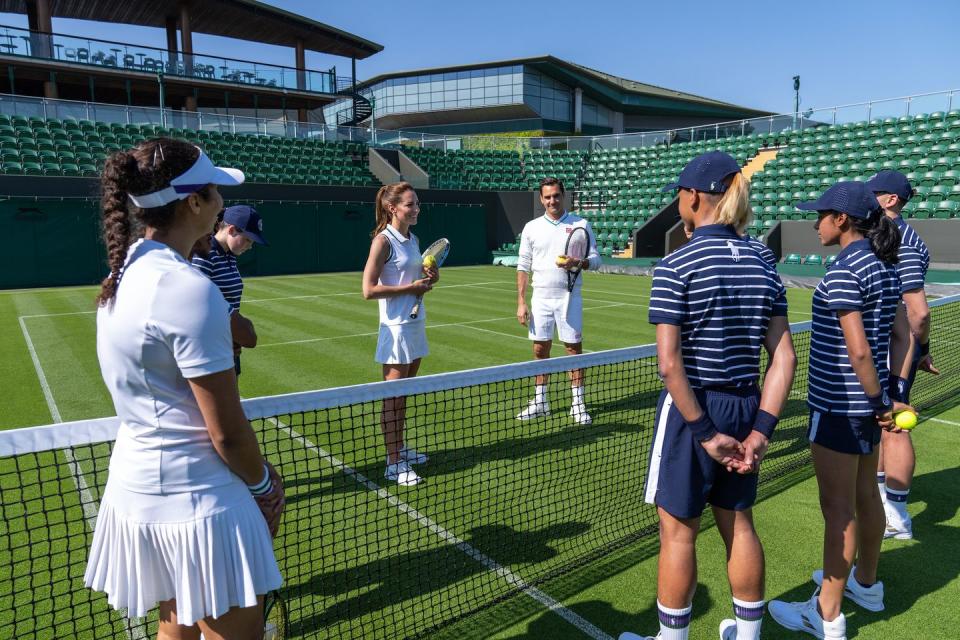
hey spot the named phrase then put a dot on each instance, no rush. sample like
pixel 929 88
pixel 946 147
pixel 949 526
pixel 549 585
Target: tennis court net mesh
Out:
pixel 504 505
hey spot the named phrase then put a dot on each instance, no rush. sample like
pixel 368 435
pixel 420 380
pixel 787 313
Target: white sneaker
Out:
pixel 579 414
pixel 870 598
pixel 728 629
pixel 803 616
pixel 402 474
pixel 412 456
pixel 626 635
pixel 534 410
pixel 898 528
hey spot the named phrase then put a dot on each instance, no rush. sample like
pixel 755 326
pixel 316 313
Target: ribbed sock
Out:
pixel 541 394
pixel 749 617
pixel 898 500
pixel 577 396
pixel 674 623
pixel 882 485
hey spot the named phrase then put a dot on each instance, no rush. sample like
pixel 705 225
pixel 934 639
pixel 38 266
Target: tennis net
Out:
pixel 505 506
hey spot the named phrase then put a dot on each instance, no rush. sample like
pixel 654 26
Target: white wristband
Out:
pixel 264 486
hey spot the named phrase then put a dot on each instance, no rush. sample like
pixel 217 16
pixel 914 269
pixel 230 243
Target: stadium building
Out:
pixel 543 94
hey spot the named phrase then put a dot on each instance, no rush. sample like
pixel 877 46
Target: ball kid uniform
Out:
pixel 914 260
pixel 841 417
pixel 551 305
pixel 722 294
pixel 402 339
pixel 765 252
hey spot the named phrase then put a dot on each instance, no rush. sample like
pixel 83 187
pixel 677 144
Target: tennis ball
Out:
pixel 906 420
pixel 561 260
pixel 429 262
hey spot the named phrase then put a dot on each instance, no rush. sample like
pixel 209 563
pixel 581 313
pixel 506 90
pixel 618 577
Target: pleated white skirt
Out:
pixel 401 343
pixel 209 549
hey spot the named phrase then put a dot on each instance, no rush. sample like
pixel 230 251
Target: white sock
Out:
pixel 674 623
pixel 541 394
pixel 882 485
pixel 577 396
pixel 898 500
pixel 749 617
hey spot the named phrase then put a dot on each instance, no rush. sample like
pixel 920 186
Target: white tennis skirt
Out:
pixel 402 343
pixel 210 549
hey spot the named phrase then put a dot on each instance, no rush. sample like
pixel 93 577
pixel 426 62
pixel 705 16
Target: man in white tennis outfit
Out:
pixel 552 305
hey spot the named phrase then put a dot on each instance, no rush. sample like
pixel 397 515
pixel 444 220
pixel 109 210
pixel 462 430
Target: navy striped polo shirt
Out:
pixel 721 294
pixel 765 252
pixel 857 281
pixel 221 267
pixel 914 258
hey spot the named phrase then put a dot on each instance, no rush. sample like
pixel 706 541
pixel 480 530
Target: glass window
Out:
pixel 476 93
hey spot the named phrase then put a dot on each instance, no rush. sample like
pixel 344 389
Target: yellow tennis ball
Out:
pixel 429 262
pixel 906 420
pixel 561 260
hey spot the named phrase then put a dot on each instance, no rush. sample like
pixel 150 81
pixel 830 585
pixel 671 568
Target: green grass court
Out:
pixel 316 331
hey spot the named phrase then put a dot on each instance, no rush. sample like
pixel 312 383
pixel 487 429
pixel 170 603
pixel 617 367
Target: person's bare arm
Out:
pixel 372 289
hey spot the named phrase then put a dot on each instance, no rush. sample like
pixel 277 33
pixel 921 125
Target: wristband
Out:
pixel 765 423
pixel 924 349
pixel 702 428
pixel 880 403
pixel 263 487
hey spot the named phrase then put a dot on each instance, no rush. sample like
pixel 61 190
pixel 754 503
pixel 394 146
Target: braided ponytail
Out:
pixel 115 219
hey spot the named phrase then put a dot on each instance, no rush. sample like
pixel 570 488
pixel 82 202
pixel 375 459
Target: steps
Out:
pixel 757 162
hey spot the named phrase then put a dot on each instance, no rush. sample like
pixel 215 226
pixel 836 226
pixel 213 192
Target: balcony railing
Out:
pixel 15 41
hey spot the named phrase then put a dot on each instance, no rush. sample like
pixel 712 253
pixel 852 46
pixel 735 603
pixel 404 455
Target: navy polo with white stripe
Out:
pixel 765 252
pixel 857 281
pixel 221 267
pixel 914 258
pixel 721 293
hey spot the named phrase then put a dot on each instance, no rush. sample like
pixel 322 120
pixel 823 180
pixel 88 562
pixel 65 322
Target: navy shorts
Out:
pixel 900 388
pixel 681 477
pixel 856 435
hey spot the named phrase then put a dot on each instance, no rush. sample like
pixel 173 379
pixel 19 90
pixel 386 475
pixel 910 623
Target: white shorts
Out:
pixel 402 343
pixel 565 312
pixel 210 549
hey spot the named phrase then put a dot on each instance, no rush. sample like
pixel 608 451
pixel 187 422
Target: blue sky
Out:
pixel 745 53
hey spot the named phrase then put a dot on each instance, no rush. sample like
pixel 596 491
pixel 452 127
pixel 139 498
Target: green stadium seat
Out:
pixel 813 259
pixel 793 258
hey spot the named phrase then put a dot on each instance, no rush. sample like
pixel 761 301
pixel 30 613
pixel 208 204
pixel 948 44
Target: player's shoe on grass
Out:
pixel 579 414
pixel 728 629
pixel 534 410
pixel 803 616
pixel 626 635
pixel 412 456
pixel 870 598
pixel 403 474
pixel 898 527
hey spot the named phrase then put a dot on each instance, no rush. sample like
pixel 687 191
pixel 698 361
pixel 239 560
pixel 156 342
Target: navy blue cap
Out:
pixel 246 218
pixel 706 173
pixel 890 181
pixel 852 198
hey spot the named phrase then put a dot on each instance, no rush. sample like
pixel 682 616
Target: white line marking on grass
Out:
pixel 941 421
pixel 90 507
pixel 358 294
pixel 425 521
pixel 465 323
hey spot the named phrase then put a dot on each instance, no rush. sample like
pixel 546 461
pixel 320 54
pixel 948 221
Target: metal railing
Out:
pixel 15 41
pixel 937 104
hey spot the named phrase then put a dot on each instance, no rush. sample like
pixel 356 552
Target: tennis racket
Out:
pixel 438 250
pixel 275 616
pixel 578 246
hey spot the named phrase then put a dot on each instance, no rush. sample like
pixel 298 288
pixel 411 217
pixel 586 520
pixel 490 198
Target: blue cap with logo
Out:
pixel 246 218
pixel 890 181
pixel 706 173
pixel 852 198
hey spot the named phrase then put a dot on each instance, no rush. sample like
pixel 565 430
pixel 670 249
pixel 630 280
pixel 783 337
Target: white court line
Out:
pixel 425 521
pixel 86 497
pixel 585 297
pixel 465 323
pixel 941 421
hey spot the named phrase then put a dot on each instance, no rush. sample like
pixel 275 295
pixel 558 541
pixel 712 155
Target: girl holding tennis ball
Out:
pixel 396 275
pixel 853 311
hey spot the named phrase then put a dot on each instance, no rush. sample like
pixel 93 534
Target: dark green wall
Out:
pixel 57 243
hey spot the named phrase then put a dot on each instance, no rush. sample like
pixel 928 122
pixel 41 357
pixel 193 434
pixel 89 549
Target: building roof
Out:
pixel 615 92
pixel 241 19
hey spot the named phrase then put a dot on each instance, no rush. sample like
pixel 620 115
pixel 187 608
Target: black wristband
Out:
pixel 880 403
pixel 702 428
pixel 924 349
pixel 765 423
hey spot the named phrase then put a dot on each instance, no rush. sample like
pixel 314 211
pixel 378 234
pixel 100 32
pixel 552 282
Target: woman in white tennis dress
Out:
pixel 190 503
pixel 394 275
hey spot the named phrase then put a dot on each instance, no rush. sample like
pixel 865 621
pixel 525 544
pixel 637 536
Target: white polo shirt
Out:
pixel 168 323
pixel 403 266
pixel 542 240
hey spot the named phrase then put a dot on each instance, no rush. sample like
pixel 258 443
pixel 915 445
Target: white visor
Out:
pixel 202 173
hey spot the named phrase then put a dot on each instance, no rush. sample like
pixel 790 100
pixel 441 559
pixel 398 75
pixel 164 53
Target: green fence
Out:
pixel 57 243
